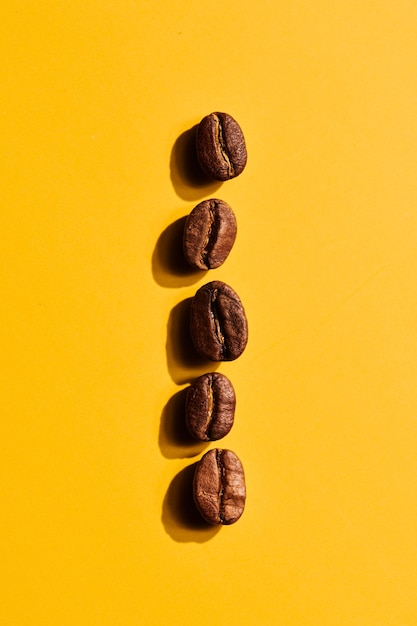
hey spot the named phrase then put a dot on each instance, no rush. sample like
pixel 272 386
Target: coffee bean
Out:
pixel 218 325
pixel 209 234
pixel 210 407
pixel 219 487
pixel 221 148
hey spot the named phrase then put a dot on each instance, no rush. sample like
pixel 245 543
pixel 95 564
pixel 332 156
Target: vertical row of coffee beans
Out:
pixel 218 324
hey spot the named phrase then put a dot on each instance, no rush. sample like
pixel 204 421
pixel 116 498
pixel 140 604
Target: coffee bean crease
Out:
pixel 210 407
pixel 221 147
pixel 218 322
pixel 209 234
pixel 219 487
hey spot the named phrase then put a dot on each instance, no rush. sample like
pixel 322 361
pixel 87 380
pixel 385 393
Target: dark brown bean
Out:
pixel 221 147
pixel 219 487
pixel 209 234
pixel 210 407
pixel 218 325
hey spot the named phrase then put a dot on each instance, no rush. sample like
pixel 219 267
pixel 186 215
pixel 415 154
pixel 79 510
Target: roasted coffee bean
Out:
pixel 219 487
pixel 210 407
pixel 218 325
pixel 209 234
pixel 221 148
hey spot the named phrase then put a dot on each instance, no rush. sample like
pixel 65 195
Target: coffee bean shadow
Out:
pixel 175 441
pixel 169 266
pixel 180 516
pixel 188 179
pixel 183 361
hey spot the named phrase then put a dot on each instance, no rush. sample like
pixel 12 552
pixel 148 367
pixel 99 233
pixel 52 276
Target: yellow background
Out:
pixel 96 101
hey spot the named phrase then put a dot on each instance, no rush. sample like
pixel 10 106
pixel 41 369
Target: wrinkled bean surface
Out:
pixel 218 324
pixel 219 487
pixel 209 234
pixel 221 147
pixel 210 407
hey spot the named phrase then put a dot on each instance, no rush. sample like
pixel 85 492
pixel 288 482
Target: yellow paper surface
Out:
pixel 98 99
